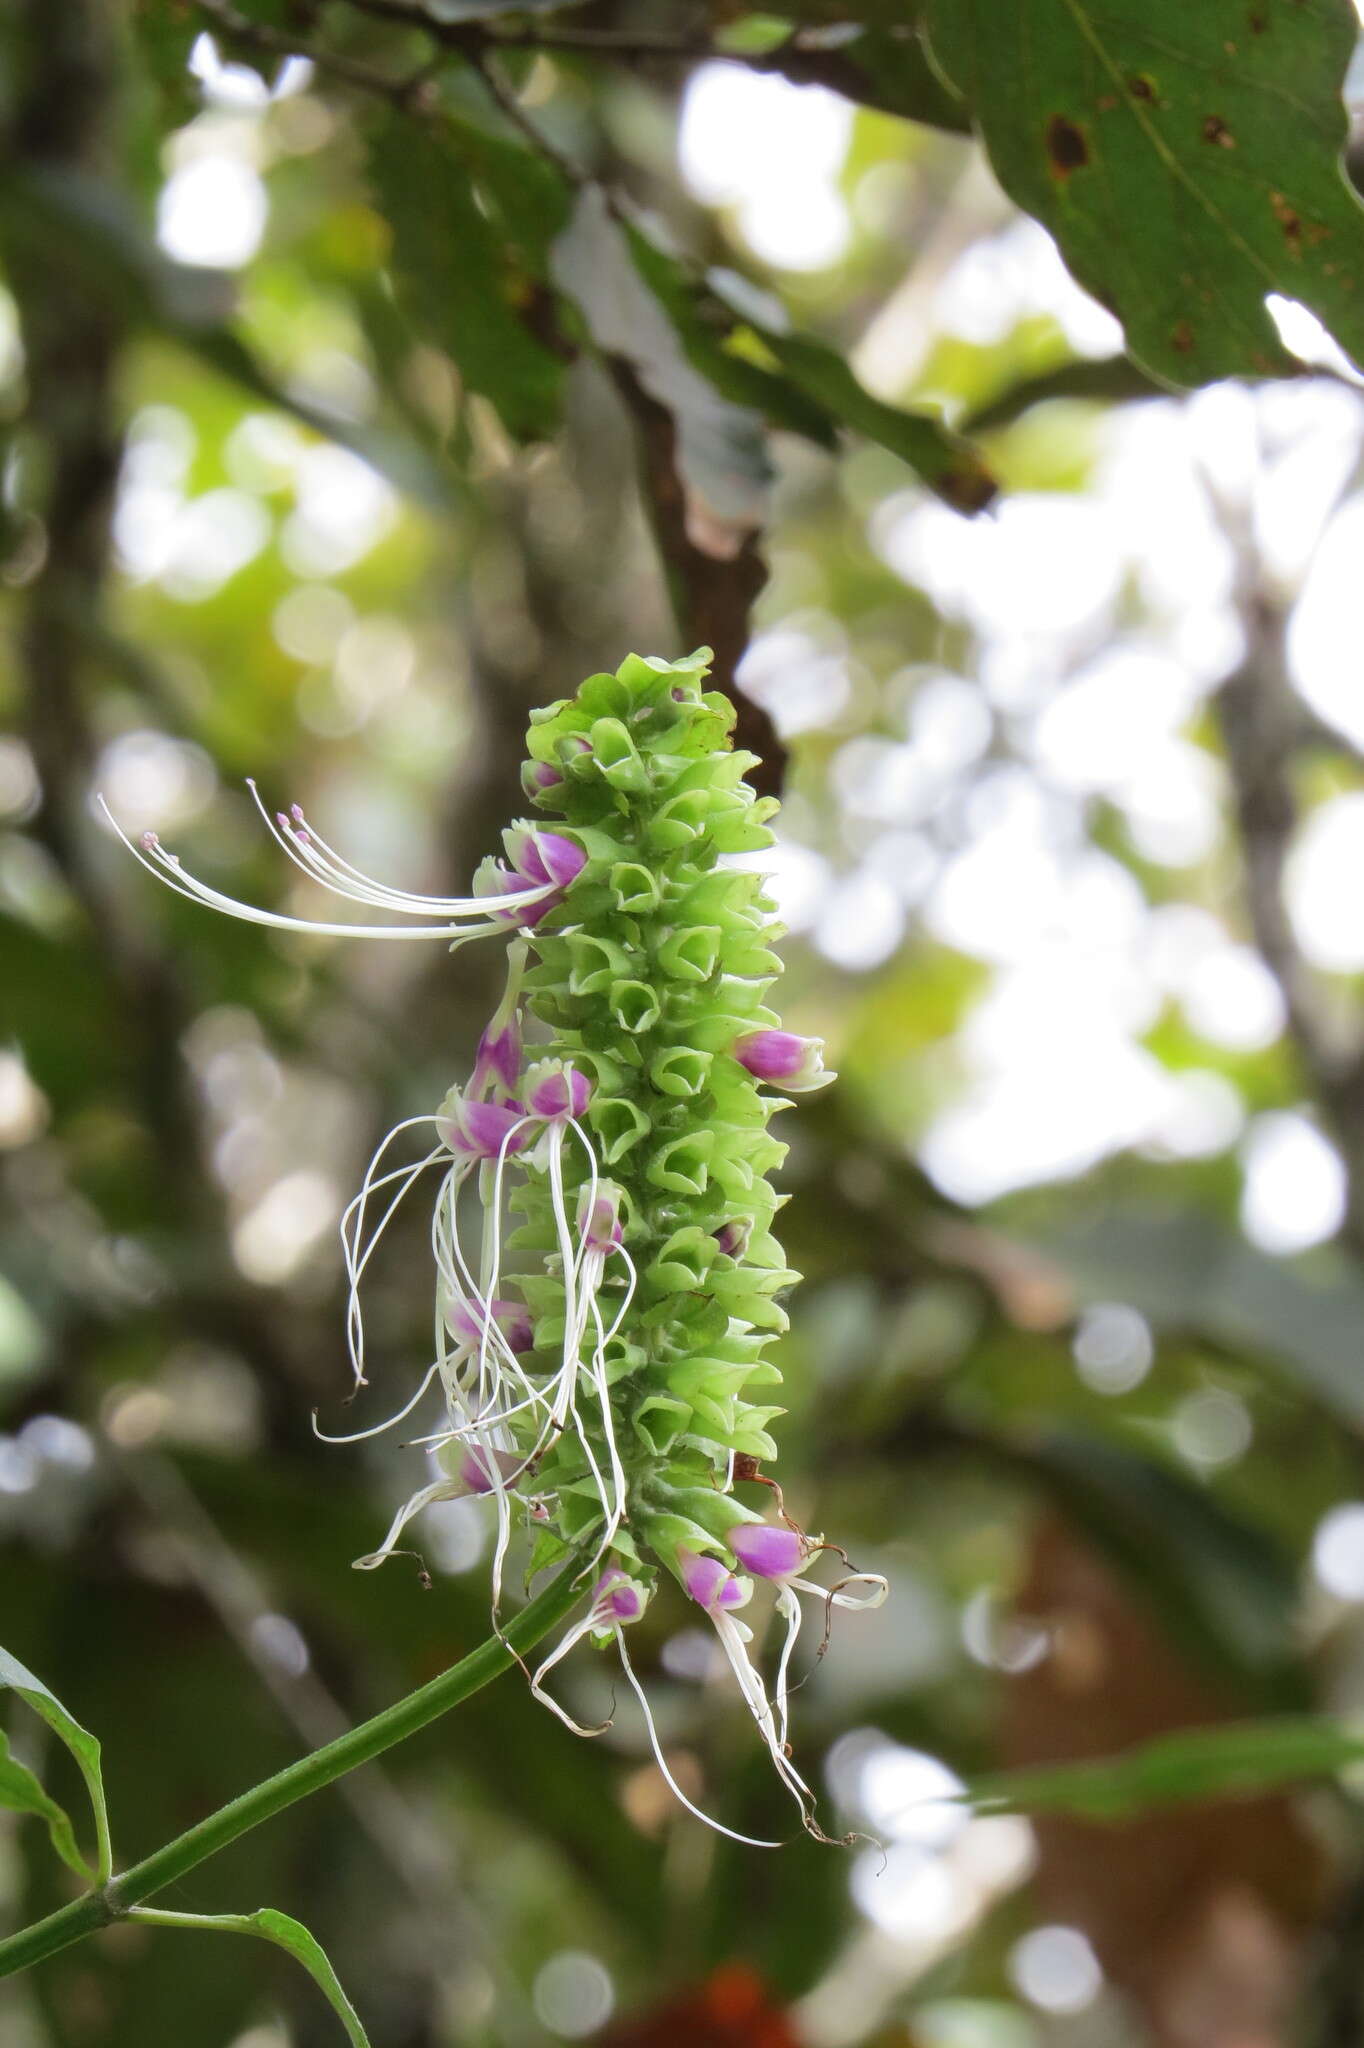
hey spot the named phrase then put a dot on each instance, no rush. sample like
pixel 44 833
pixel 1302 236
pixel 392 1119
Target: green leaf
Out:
pixel 461 278
pixel 82 1745
pixel 796 381
pixel 286 1933
pixel 1239 1759
pixel 1109 380
pixel 165 31
pixel 945 462
pixel 21 1793
pixel 526 194
pixel 882 65
pixel 1186 157
pixel 891 71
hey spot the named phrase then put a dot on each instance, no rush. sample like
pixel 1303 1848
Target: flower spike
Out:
pixel 607 1281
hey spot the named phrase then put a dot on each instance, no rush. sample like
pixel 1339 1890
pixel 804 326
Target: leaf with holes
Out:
pixel 82 1745
pixel 1186 157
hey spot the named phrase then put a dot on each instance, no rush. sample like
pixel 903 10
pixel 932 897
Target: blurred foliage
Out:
pixel 372 372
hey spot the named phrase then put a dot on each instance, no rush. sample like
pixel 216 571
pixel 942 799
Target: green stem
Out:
pixel 114 1900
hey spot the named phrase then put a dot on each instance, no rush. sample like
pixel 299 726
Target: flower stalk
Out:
pixel 117 1899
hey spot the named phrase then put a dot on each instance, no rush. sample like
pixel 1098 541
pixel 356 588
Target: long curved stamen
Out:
pixel 572 1268
pixel 357 1249
pixel 167 869
pixel 310 853
pixel 877 1586
pixel 440 1489
pixel 789 1608
pixel 749 1841
pixel 586 1627
pixel 618 1511
pixel 732 1641
pixel 461 1282
pixel 358 1436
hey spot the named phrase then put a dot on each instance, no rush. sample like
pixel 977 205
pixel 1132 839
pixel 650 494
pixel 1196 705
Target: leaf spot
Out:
pixel 1216 131
pixel 1182 338
pixel 1141 87
pixel 1289 221
pixel 1066 145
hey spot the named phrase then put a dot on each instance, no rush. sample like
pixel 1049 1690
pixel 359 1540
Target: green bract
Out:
pixel 657 959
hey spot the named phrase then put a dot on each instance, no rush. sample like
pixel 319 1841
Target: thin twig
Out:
pixel 1263 727
pixel 404 93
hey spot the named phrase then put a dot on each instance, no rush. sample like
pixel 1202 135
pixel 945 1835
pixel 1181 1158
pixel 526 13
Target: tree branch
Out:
pixel 712 592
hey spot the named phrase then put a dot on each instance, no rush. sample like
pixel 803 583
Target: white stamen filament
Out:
pixel 732 1636
pixel 357 1249
pixel 593 1624
pixel 474 913
pixel 440 1489
pixel 749 1841
pixel 789 1608
pixel 309 851
pixel 358 1436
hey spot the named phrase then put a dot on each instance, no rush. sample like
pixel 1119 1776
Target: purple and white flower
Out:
pixel 481 1130
pixel 471 1323
pixel 780 1057
pixel 541 856
pixel 556 1088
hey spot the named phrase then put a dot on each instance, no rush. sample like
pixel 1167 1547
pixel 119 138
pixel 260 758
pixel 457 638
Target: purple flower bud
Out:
pixel 616 1597
pixel 537 776
pixel 479 1470
pixel 709 1583
pixel 465 1321
pixel 554 1088
pixel 599 1224
pixel 480 1130
pixel 732 1237
pixel 780 1056
pixel 492 879
pixel 540 856
pixel 499 1058
pixel 767 1551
